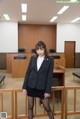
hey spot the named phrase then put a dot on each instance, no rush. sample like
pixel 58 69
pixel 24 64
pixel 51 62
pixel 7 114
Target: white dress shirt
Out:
pixel 39 61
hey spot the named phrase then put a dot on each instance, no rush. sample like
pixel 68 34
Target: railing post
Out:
pixel 62 102
pixel 12 96
pixel 15 104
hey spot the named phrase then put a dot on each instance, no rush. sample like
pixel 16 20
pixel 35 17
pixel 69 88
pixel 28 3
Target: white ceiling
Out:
pixel 39 11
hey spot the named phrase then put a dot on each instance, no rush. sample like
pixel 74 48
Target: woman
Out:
pixel 38 79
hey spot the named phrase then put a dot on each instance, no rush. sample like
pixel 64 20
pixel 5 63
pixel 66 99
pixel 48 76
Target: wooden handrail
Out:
pixel 64 102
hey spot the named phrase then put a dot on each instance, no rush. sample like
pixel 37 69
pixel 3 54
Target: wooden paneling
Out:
pixel 2 60
pixel 61 61
pixel 29 35
pixel 59 73
pixel 77 60
pixel 19 68
pixel 9 60
pixel 15 69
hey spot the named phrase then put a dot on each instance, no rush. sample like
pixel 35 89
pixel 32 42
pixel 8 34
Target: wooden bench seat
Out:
pixel 76 74
pixel 1 79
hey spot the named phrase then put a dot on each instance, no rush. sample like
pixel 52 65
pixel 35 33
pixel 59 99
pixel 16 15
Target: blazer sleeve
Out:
pixel 27 75
pixel 50 77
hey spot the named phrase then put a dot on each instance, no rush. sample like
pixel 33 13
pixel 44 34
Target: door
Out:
pixel 70 54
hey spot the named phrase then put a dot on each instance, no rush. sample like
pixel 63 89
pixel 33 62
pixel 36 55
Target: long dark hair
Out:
pixel 41 44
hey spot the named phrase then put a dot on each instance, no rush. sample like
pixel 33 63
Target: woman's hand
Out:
pixel 46 95
pixel 25 91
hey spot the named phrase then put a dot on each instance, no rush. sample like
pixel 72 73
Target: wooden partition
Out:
pixel 77 60
pixel 59 74
pixel 61 61
pixel 2 61
pixel 29 35
pixel 14 69
pixel 9 59
pixel 75 100
pixel 16 101
pixel 37 106
pixel 9 100
pixel 17 67
pixel 65 100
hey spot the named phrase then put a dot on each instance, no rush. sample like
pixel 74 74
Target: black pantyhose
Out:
pixel 45 104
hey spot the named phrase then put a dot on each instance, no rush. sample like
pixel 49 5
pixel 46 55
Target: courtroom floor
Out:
pixel 16 83
pixel 13 83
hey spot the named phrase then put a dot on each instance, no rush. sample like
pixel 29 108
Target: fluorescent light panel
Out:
pixel 6 16
pixel 63 9
pixel 73 1
pixel 23 17
pixel 75 20
pixel 24 8
pixel 68 1
pixel 53 19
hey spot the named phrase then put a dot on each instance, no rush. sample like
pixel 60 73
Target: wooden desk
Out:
pixel 59 76
pixel 60 61
pixel 19 68
pixel 58 71
pixel 10 59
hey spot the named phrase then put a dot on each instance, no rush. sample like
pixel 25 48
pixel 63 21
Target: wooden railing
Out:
pixel 74 99
pixel 36 114
pixel 59 89
pixel 14 103
pixel 11 102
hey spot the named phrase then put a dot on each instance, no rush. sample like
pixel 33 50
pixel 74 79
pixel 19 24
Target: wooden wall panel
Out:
pixel 10 57
pixel 19 67
pixel 9 60
pixel 29 35
pixel 77 60
pixel 2 60
pixel 16 71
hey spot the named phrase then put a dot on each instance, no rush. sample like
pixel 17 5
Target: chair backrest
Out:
pixel 33 50
pixel 52 51
pixel 21 50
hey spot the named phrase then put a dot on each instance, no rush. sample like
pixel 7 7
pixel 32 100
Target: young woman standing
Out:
pixel 38 79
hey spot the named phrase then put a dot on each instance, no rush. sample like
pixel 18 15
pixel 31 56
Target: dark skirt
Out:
pixel 33 92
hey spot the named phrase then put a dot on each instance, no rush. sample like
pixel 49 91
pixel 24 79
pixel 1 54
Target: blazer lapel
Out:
pixel 43 65
pixel 35 63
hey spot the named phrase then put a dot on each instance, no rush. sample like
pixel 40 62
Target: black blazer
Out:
pixel 42 79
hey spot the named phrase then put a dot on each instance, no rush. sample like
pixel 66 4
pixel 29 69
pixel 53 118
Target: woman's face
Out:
pixel 40 51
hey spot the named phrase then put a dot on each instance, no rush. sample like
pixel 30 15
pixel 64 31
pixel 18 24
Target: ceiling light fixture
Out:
pixel 75 20
pixel 24 8
pixel 6 16
pixel 68 1
pixel 23 17
pixel 53 19
pixel 73 1
pixel 63 9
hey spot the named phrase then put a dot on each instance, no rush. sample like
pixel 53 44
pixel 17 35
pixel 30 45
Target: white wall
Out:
pixel 8 37
pixel 68 32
